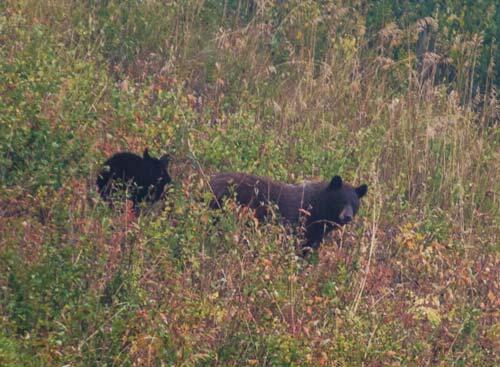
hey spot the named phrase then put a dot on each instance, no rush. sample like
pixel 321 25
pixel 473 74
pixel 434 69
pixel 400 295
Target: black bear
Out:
pixel 144 177
pixel 321 206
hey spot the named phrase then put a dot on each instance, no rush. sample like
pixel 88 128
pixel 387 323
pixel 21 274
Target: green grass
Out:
pixel 297 91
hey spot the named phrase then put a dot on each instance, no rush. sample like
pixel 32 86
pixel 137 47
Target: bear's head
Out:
pixel 340 201
pixel 160 169
pixel 344 200
pixel 335 204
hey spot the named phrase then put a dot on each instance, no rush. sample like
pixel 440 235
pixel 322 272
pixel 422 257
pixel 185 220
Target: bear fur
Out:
pixel 144 177
pixel 320 206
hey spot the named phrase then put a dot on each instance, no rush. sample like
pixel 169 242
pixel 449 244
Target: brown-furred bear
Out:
pixel 321 206
pixel 144 177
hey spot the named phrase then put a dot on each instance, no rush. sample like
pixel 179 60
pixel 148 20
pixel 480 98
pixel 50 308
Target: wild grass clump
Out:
pixel 404 99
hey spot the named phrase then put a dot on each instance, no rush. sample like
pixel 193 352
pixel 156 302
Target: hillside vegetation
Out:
pixel 400 95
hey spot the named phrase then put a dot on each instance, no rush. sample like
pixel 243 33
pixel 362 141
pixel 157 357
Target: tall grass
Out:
pixel 296 90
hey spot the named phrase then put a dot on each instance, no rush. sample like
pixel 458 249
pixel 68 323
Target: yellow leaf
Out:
pixel 432 315
pixel 491 297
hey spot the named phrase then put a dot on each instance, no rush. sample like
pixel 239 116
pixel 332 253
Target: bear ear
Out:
pixel 146 154
pixel 335 183
pixel 165 159
pixel 361 190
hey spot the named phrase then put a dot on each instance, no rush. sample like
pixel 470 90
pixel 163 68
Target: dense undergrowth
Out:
pixel 401 97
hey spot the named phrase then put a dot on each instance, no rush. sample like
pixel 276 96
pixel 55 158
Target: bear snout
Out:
pixel 347 219
pixel 346 215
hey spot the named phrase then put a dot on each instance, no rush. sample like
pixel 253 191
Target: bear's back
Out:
pixel 129 166
pixel 254 190
pixel 124 164
pixel 295 199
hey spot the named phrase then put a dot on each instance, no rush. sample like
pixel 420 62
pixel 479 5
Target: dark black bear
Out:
pixel 144 177
pixel 319 205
